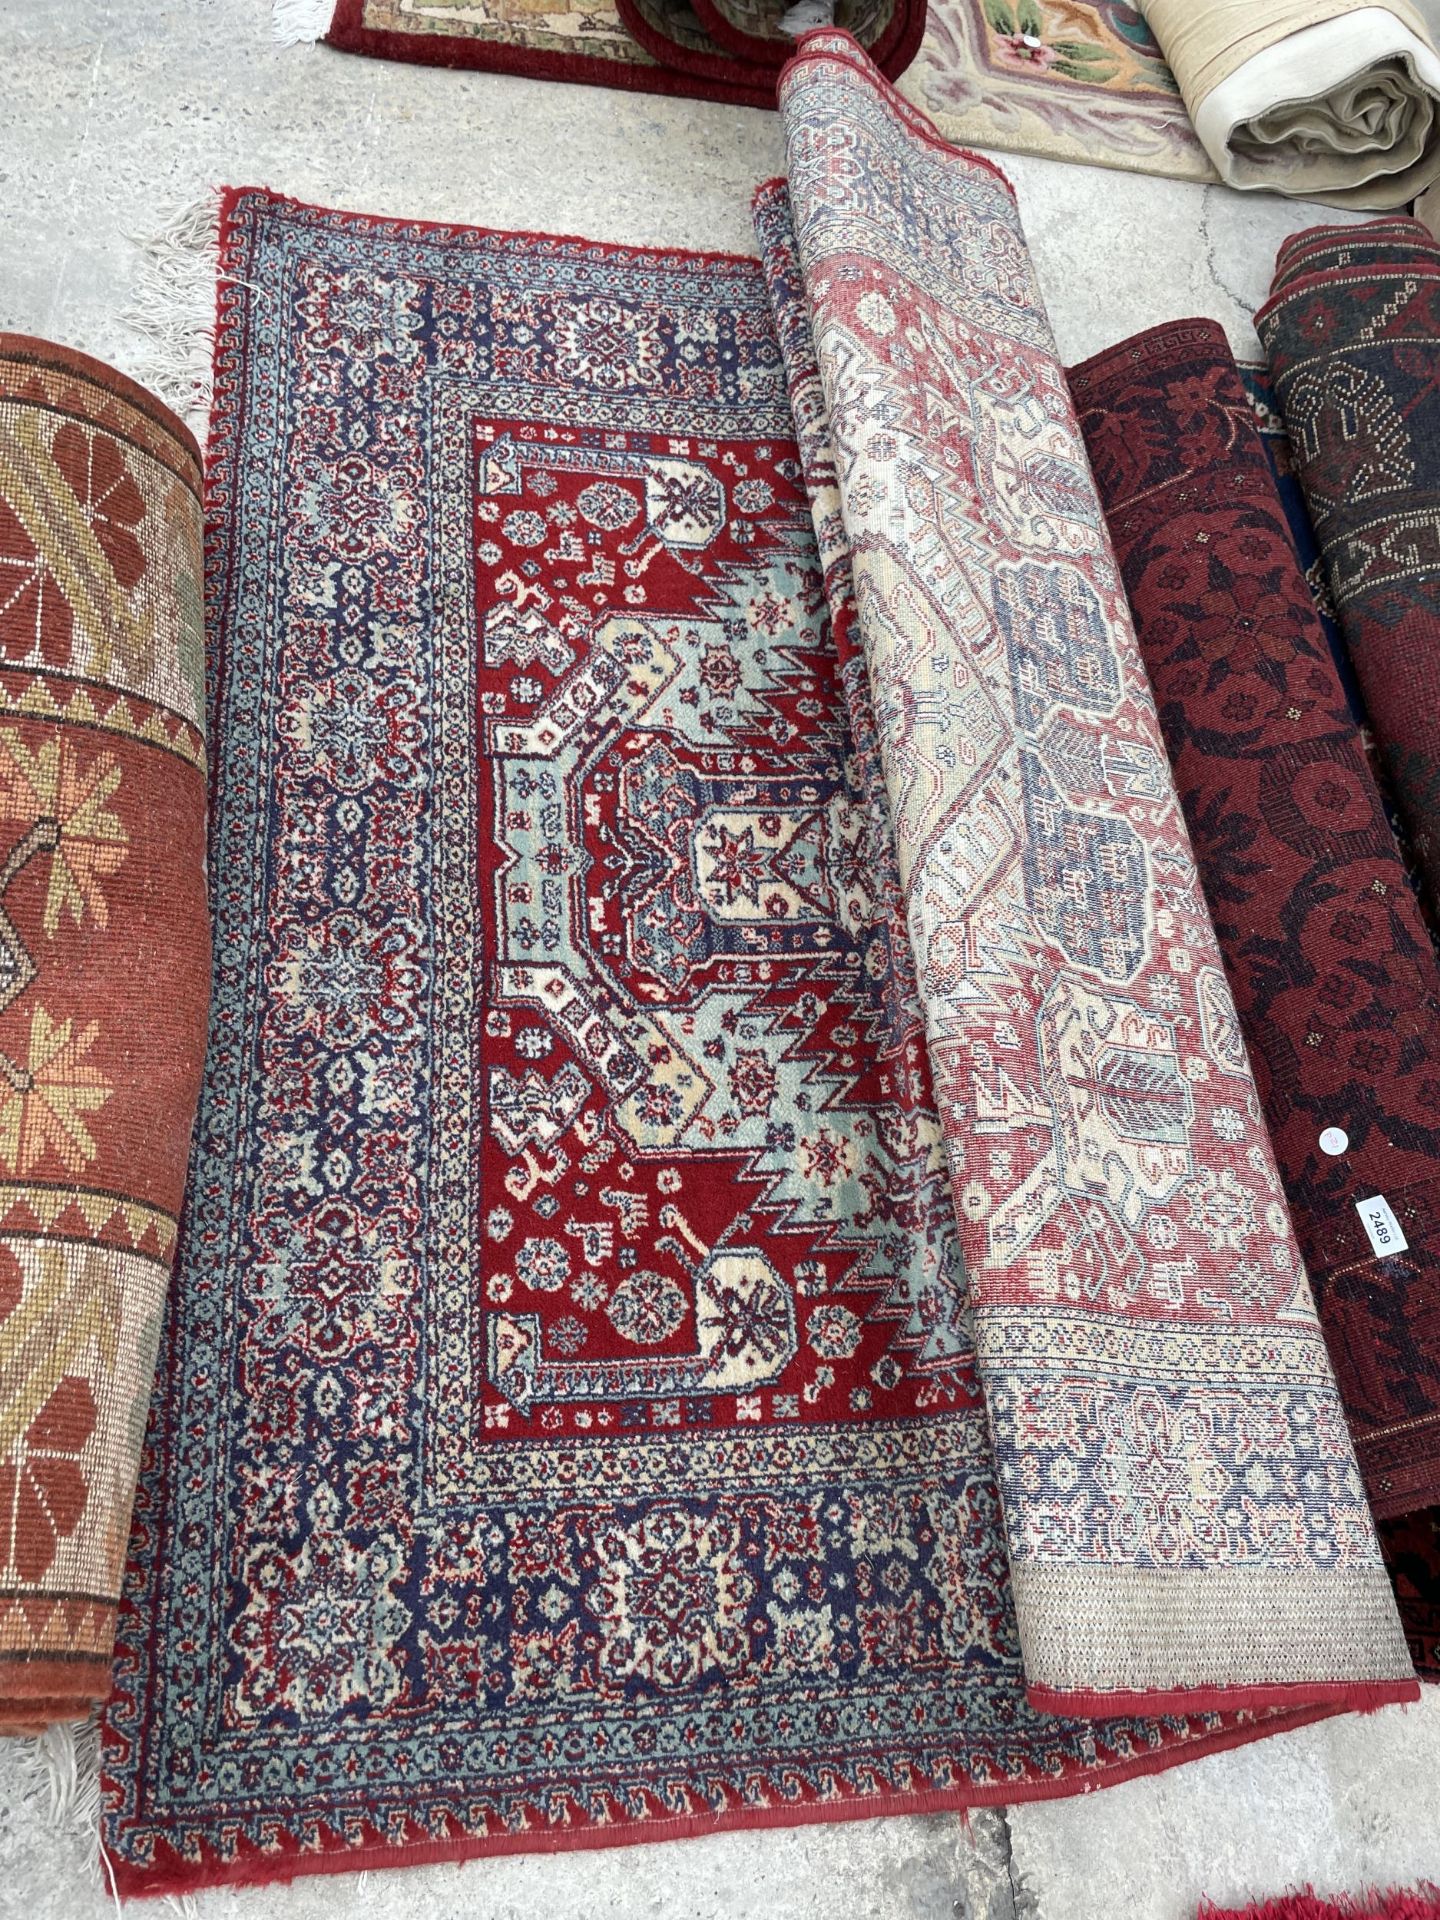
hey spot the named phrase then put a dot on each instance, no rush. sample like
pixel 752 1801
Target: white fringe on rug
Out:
pixel 61 1771
pixel 295 22
pixel 173 310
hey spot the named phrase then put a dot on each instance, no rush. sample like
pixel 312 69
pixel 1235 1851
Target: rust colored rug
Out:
pixel 104 973
pixel 728 50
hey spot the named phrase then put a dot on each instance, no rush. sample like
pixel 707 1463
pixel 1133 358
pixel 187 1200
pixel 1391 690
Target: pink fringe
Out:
pixel 1399 1904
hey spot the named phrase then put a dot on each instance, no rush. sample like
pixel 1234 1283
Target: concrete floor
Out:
pixel 112 118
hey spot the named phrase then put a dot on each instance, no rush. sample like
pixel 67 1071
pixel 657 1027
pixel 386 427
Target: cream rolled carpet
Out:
pixel 1317 98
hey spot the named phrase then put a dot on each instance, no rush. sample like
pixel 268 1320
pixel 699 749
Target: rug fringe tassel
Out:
pixel 295 22
pixel 61 1769
pixel 172 311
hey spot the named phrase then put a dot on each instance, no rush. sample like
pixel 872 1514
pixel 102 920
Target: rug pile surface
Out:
pixel 1335 978
pixel 1077 80
pixel 1349 331
pixel 602 1400
pixel 1079 1025
pixel 1350 335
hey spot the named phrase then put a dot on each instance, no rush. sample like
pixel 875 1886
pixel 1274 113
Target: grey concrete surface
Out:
pixel 1350 1804
pixel 112 117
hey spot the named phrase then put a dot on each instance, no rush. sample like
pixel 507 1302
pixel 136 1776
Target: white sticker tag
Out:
pixel 1378 1218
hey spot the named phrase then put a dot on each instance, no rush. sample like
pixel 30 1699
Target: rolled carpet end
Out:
pixel 1352 334
pixel 104 982
pixel 1316 98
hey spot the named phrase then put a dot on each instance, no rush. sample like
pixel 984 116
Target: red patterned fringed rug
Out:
pixel 607 1392
pixel 571 1426
pixel 629 1478
pixel 1335 979
pixel 728 50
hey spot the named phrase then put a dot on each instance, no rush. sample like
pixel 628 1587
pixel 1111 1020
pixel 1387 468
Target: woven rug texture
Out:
pixel 1255 716
pixel 1078 1019
pixel 1353 358
pixel 1350 331
pixel 1411 1543
pixel 629 1478
pixel 104 973
pixel 1334 976
pixel 729 50
pixel 1075 80
pixel 603 1399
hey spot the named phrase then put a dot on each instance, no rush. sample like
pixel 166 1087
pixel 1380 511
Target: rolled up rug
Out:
pixel 761 33
pixel 1335 980
pixel 1412 1552
pixel 104 982
pixel 1371 244
pixel 1352 334
pixel 1145 1334
pixel 1318 98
